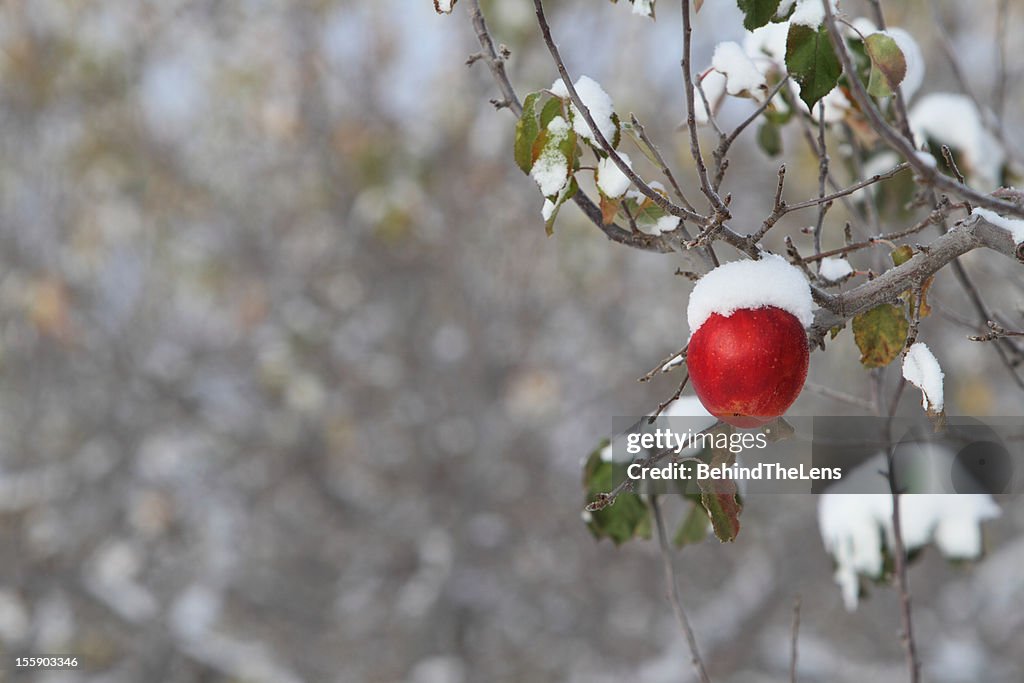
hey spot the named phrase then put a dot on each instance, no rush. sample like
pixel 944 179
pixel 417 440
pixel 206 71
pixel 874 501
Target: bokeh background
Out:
pixel 293 387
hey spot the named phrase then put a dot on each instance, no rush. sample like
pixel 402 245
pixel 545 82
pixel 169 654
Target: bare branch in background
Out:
pixel 672 586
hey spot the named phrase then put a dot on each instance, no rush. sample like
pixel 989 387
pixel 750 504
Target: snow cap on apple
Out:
pixel 748 352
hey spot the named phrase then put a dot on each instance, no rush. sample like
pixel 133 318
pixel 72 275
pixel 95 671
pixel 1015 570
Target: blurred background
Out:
pixel 293 386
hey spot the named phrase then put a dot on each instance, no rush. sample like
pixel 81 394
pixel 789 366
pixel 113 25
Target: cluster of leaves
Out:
pixel 710 506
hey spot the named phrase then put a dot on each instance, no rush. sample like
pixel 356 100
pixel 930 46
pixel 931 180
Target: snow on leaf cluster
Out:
pixel 769 281
pixel 856 528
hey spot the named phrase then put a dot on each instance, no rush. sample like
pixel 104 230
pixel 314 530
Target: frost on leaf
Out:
pixel 880 335
pixel 921 369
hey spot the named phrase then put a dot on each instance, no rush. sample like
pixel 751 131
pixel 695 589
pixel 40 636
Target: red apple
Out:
pixel 749 367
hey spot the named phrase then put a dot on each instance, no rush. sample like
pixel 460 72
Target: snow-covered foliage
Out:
pixel 953 120
pixel 835 268
pixel 1015 226
pixel 770 281
pixel 551 170
pixel 809 13
pixel 742 77
pixel 921 369
pixel 855 527
pixel 610 179
pixel 597 101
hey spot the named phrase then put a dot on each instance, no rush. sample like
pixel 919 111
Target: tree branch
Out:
pixel 970 233
pixel 930 175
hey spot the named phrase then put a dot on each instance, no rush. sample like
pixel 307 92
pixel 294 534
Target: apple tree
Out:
pixel 922 178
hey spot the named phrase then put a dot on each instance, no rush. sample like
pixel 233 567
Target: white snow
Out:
pixel 921 369
pixel 953 120
pixel 741 74
pixel 445 5
pixel 551 170
pixel 611 180
pixel 597 101
pixel 809 13
pixel 835 268
pixel 784 8
pixel 548 209
pixel 664 224
pixel 1015 226
pixel 925 158
pixel 768 41
pixel 854 526
pixel 713 84
pixel 770 281
pixel 643 7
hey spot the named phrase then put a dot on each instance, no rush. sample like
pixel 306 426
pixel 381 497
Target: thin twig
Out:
pixel 665 170
pixel 899 549
pixel 793 651
pixel 823 162
pixel 672 585
pixel 721 163
pixel 691 121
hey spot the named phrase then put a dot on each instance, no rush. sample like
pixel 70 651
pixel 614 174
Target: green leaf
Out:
pixel 757 13
pixel 628 516
pixel 565 195
pixel 645 212
pixel 880 335
pixel 902 254
pixel 694 527
pixel 888 65
pixel 720 498
pixel 812 62
pixel 527 131
pixel 769 138
pixel 554 107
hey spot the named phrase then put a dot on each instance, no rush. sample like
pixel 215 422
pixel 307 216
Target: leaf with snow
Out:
pixel 922 369
pixel 554 154
pixel 856 528
pixel 953 120
pixel 812 62
pixel 598 103
pixel 888 65
pixel 444 6
pixel 611 181
pixel 880 335
pixel 742 77
pixel 649 218
pixel 551 208
pixel 757 13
